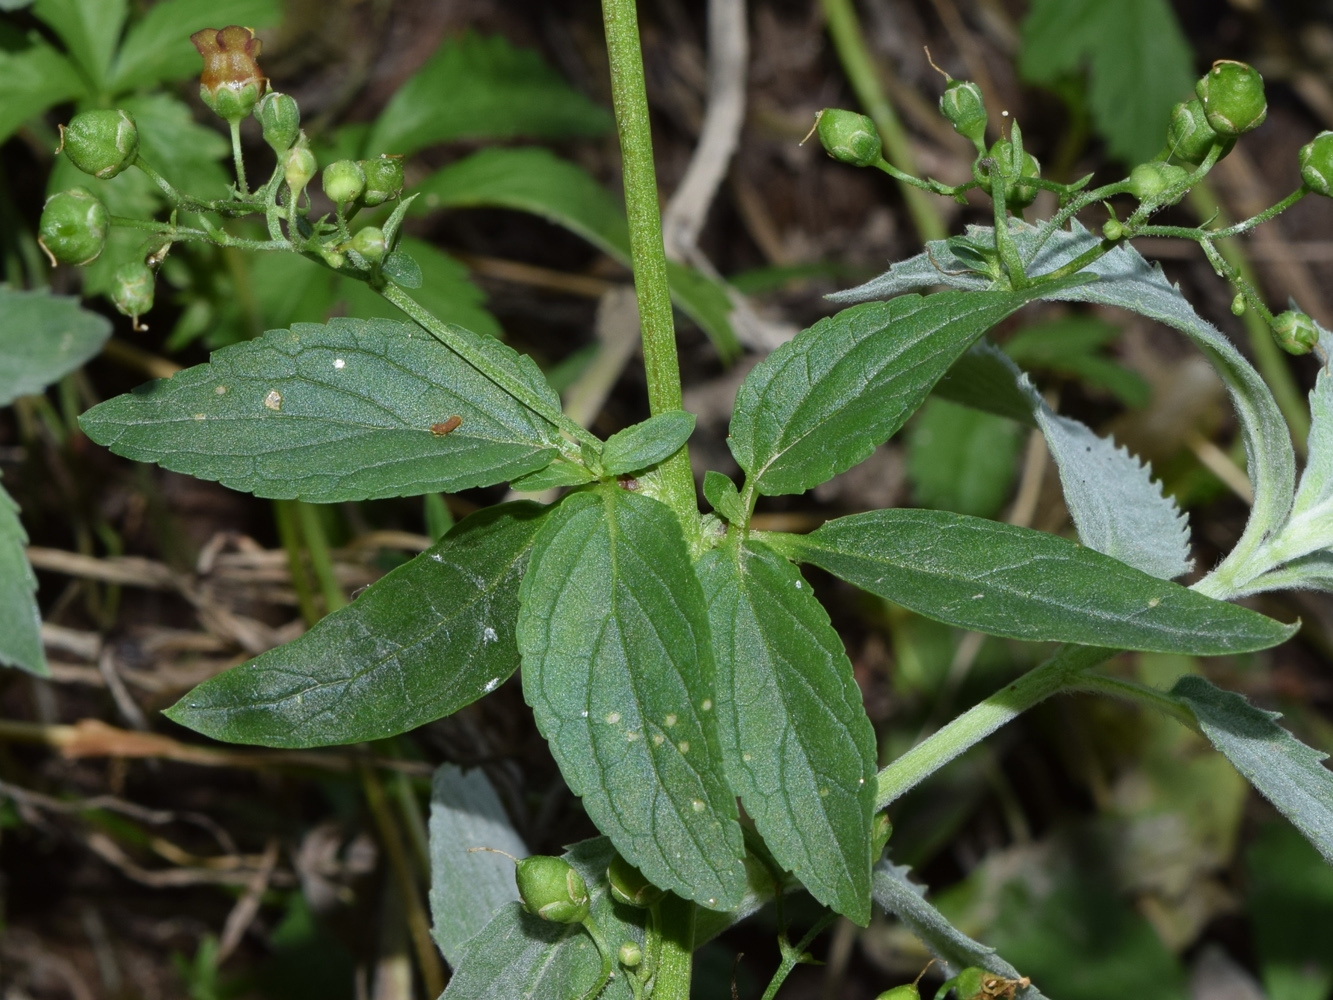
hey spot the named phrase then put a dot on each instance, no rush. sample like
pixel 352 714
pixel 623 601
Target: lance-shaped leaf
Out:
pixel 351 410
pixel 796 742
pixel 618 668
pixel 1023 584
pixel 647 443
pixel 1288 773
pixel 825 400
pixel 432 636
pixel 20 621
pixel 43 337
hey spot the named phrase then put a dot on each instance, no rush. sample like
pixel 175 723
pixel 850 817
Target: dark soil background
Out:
pixel 130 847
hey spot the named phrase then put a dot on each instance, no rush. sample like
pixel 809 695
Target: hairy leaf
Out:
pixel 434 635
pixel 647 443
pixel 157 47
pixel 20 621
pixel 618 668
pixel 42 338
pixel 721 492
pixel 348 411
pixel 468 887
pixel 1284 770
pixel 796 742
pixel 1024 584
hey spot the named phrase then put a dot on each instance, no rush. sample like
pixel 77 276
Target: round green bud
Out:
pixel 1112 229
pixel 551 889
pixel 1295 332
pixel 1190 137
pixel 369 243
pixel 344 180
pixel 1316 159
pixel 132 291
pixel 907 991
pixel 1233 97
pixel 73 227
pixel 848 137
pixel 334 258
pixel 628 885
pixel 630 954
pixel 280 119
pixel 1148 180
pixel 962 104
pixel 101 143
pixel 384 179
pixel 298 167
pixel 1238 304
pixel 1016 195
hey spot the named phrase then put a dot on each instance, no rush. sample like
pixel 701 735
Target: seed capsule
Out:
pixel 630 954
pixel 963 106
pixel 1316 159
pixel 1295 332
pixel 73 227
pixel 1016 195
pixel 101 143
pixel 551 889
pixel 1233 97
pixel 1190 137
pixel 848 137
pixel 132 292
pixel 384 179
pixel 1148 180
pixel 343 180
pixel 231 81
pixel 280 119
pixel 628 885
pixel 369 243
pixel 298 167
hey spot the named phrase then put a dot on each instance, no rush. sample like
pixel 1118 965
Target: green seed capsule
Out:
pixel 344 180
pixel 1233 97
pixel 628 885
pixel 1016 195
pixel 1190 137
pixel 298 167
pixel 384 179
pixel 73 227
pixel 280 119
pixel 1317 164
pixel 630 954
pixel 132 292
pixel 1148 180
pixel 369 243
pixel 551 889
pixel 848 137
pixel 974 983
pixel 1295 332
pixel 907 991
pixel 962 104
pixel 101 143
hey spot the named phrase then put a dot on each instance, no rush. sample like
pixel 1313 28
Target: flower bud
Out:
pixel 628 885
pixel 101 143
pixel 962 104
pixel 1112 229
pixel 848 137
pixel 73 227
pixel 343 181
pixel 630 954
pixel 551 889
pixel 384 179
pixel 280 119
pixel 298 167
pixel 1317 164
pixel 231 81
pixel 132 292
pixel 1190 137
pixel 1238 304
pixel 1148 180
pixel 1016 195
pixel 1295 332
pixel 369 243
pixel 1233 97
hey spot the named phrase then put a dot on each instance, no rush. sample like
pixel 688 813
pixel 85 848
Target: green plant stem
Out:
pixel 978 722
pixel 647 253
pixel 321 559
pixel 241 184
pixel 1140 694
pixel 676 949
pixel 289 534
pixel 791 957
pixel 849 43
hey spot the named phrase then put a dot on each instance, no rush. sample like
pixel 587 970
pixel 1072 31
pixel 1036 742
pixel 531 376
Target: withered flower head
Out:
pixel 231 82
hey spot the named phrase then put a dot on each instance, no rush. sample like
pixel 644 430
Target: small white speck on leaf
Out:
pixel 658 739
pixel 683 746
pixel 707 705
pixel 798 584
pixel 612 718
pixel 492 684
pixel 631 735
pixel 746 756
pixel 221 390
pixel 1153 602
pixel 339 363
pixel 273 400
pixel 697 805
pixel 200 416
pixel 488 636
pixel 977 597
pixel 670 720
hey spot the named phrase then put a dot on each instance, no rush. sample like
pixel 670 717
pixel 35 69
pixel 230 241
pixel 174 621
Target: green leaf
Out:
pixel 179 148
pixel 961 459
pixel 1284 770
pixel 90 30
pixel 432 636
pixel 721 492
pixel 445 290
pixel 617 666
pixel 348 411
pixel 33 77
pixel 468 887
pixel 825 400
pixel 654 440
pixel 559 473
pixel 537 181
pixel 1290 907
pixel 42 338
pixel 482 87
pixel 983 378
pixel 1139 64
pixel 796 743
pixel 403 269
pixel 1023 584
pixel 157 47
pixel 1069 346
pixel 20 621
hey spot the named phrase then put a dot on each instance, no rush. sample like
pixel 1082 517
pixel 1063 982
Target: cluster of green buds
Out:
pixel 1230 101
pixel 1013 163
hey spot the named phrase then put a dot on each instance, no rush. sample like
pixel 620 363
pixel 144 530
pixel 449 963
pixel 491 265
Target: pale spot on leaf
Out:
pixel 273 400
pixel 670 720
pixel 612 718
pixel 339 363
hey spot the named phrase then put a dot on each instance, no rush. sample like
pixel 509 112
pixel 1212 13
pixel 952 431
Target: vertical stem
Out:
pixel 677 949
pixel 289 534
pixel 645 233
pixel 241 184
pixel 848 42
pixel 321 559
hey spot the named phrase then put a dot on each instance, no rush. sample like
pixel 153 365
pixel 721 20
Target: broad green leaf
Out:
pixel 20 621
pixel 90 30
pixel 559 473
pixel 483 87
pixel 825 400
pixel 434 635
pixel 1139 64
pixel 33 77
pixel 961 459
pixel 353 410
pixel 42 338
pixel 983 378
pixel 618 668
pixel 796 743
pixel 537 181
pixel 1286 772
pixel 1023 584
pixel 655 440
pixel 468 887
pixel 157 47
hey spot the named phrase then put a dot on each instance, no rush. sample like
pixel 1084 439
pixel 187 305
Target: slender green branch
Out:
pixel 1078 263
pixel 1140 694
pixel 676 953
pixel 241 185
pixel 321 559
pixel 289 534
pixel 791 957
